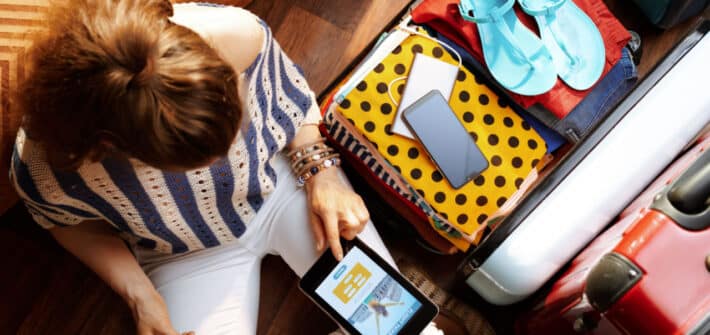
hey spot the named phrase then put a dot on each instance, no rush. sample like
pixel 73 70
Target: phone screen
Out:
pixel 366 296
pixel 443 136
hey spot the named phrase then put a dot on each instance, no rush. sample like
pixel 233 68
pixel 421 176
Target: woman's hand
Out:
pixel 151 315
pixel 335 210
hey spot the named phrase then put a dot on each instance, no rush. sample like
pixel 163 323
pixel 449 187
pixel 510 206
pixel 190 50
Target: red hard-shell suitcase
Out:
pixel 649 273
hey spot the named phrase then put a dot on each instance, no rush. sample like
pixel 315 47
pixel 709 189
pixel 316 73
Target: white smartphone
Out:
pixel 427 74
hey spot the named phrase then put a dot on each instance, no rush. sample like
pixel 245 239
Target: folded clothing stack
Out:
pixel 557 104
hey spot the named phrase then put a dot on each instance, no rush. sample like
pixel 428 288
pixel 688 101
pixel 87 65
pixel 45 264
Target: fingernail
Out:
pixel 339 255
pixel 319 245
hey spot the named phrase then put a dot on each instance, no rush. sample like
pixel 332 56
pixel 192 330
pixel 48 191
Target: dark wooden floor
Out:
pixel 43 290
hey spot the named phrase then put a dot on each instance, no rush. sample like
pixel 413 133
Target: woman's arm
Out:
pixel 104 252
pixel 237 35
pixel 335 209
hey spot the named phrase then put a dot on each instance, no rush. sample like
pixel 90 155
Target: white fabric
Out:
pixel 216 291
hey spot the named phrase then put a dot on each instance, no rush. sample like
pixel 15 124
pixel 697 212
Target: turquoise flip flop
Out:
pixel 572 38
pixel 515 56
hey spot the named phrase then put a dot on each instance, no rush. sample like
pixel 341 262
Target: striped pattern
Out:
pixel 18 18
pixel 176 212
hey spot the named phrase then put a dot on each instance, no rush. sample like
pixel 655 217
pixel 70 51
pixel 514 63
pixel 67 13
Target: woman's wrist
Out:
pixel 311 159
pixel 134 293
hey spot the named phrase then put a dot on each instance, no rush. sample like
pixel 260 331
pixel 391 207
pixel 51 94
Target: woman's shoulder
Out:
pixel 237 34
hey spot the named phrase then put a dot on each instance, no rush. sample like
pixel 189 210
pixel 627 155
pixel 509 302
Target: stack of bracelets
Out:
pixel 308 160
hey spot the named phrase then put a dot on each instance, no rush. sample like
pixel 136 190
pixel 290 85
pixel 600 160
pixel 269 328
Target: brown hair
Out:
pixel 117 77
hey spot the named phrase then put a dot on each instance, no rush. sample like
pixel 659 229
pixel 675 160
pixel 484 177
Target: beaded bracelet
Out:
pixel 298 153
pixel 305 167
pixel 326 163
pixel 314 156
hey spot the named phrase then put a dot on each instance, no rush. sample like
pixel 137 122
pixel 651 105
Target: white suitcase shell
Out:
pixel 597 179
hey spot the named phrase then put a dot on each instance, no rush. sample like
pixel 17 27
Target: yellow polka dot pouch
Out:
pixel 510 145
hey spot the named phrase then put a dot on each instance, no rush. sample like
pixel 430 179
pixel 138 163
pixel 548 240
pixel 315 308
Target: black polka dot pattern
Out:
pixel 488 119
pixel 500 134
pixel 508 122
pixel 462 218
pixel 413 153
pixel 399 69
pixel 500 181
pixel 386 108
pixel 513 142
pixel 464 96
pixel 381 88
pixel 468 117
pixel 482 218
pixel 496 160
pixel 461 76
pixel 481 201
pixel 393 150
pixel 532 144
pixel 362 86
pixel 461 199
pixel 483 99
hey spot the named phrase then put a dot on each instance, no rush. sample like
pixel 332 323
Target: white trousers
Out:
pixel 216 291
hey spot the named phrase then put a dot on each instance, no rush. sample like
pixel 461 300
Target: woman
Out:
pixel 165 149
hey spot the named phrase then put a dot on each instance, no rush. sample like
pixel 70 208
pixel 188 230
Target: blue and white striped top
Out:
pixel 178 212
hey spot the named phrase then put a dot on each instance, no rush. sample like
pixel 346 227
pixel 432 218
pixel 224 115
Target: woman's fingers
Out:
pixel 349 225
pixel 330 224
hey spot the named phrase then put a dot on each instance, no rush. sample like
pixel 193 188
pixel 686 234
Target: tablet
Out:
pixel 365 295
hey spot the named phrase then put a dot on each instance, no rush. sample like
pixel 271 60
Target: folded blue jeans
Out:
pixel 600 101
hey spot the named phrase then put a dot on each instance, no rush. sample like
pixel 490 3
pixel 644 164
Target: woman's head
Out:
pixel 116 77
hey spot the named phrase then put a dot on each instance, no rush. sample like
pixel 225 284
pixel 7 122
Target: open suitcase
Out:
pixel 545 230
pixel 646 274
pixel 598 178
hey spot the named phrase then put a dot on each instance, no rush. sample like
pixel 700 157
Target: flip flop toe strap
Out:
pixel 548 8
pixel 495 16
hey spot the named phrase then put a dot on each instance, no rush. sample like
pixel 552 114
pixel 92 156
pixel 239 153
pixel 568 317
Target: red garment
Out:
pixel 444 17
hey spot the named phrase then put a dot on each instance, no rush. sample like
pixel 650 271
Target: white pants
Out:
pixel 216 291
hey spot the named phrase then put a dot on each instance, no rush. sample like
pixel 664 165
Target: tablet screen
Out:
pixel 366 296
